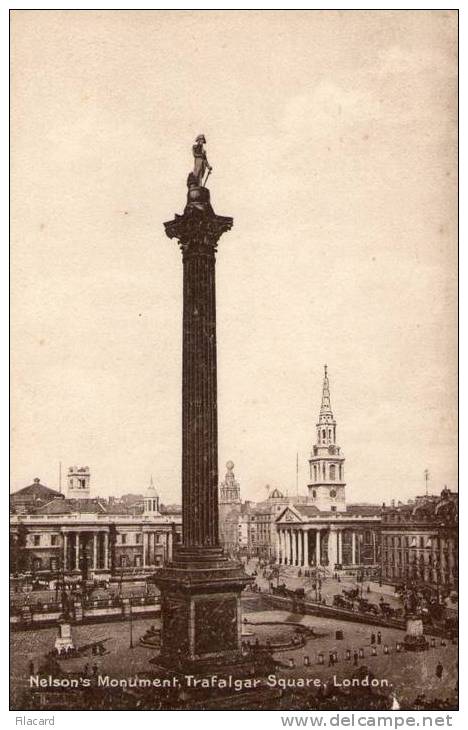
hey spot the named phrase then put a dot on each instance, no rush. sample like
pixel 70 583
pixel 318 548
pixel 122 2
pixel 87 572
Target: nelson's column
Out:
pixel 201 588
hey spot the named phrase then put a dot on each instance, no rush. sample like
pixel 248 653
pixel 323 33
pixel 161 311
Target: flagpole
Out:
pixel 297 474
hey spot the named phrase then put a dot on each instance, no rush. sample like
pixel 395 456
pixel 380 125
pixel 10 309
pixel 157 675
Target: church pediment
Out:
pixel 289 515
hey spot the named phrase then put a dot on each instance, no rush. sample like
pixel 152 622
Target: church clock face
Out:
pixel 332 493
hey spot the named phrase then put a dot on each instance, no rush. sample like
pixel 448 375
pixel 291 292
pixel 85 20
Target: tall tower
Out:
pixel 229 490
pixel 78 479
pixel 200 587
pixel 327 485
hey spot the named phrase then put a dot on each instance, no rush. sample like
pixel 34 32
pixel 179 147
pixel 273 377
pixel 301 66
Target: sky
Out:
pixel 332 136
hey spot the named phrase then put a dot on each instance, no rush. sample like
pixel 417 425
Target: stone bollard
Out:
pixel 348 655
pixel 385 649
pixel 306 661
pixel 320 658
pixel 361 653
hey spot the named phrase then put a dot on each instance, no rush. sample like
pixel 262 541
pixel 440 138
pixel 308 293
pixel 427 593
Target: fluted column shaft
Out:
pixel 199 399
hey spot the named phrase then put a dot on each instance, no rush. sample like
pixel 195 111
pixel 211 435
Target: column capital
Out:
pixel 199 229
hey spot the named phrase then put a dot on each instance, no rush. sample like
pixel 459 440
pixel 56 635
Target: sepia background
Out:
pixel 333 141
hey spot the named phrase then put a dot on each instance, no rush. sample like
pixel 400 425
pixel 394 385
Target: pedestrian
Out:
pixel 355 658
pixel 330 659
pixel 372 638
pixel 439 670
pixel 31 667
pixel 379 637
pixel 95 669
pixel 368 588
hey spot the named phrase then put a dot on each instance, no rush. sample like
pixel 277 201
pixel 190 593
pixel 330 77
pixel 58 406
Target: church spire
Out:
pixel 325 408
pixel 327 485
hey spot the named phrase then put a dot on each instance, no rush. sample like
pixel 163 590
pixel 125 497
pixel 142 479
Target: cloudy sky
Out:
pixel 333 140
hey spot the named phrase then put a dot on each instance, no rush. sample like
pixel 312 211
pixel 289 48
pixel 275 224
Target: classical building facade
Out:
pixel 92 538
pixel 420 541
pixel 326 532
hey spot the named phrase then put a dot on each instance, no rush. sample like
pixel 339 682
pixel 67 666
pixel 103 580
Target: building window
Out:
pixel 123 539
pixel 314 493
pixel 36 540
pixel 333 508
pixel 137 561
pixel 53 564
pixel 123 561
pixel 332 472
pixel 82 483
pixel 340 469
pixel 138 538
pixel 37 564
pixel 54 540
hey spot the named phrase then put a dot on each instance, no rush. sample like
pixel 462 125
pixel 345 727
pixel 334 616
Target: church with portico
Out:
pixel 326 532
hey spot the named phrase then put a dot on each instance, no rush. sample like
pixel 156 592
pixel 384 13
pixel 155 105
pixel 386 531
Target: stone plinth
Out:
pixel 64 641
pixel 415 639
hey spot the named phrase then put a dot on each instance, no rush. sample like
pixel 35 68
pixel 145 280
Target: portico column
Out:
pixel 294 547
pixel 340 547
pixel 280 553
pixel 65 547
pixel 77 550
pixel 374 551
pixel 317 548
pixel 106 551
pixel 306 548
pixel 277 544
pixel 169 546
pixel 300 548
pixel 144 540
pixel 353 548
pixel 332 548
pixel 95 565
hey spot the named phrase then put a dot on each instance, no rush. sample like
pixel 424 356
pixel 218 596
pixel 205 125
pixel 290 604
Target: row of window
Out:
pixel 325 434
pixel 122 539
pixel 37 540
pixel 411 541
pixel 333 470
pixel 124 562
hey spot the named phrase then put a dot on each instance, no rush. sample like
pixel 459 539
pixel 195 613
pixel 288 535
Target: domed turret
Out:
pixel 151 501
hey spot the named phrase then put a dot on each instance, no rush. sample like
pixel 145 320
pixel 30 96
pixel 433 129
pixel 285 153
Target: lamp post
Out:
pixel 131 623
